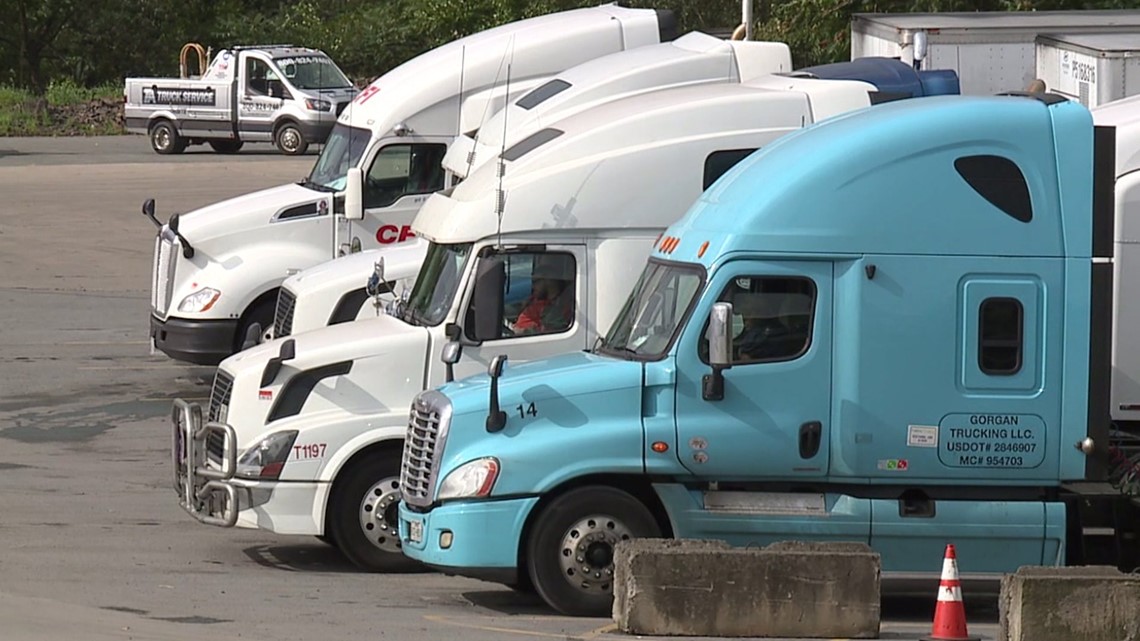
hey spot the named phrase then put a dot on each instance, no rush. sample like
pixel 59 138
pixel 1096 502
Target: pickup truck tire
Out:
pixel 570 550
pixel 363 514
pixel 289 139
pixel 164 138
pixel 226 146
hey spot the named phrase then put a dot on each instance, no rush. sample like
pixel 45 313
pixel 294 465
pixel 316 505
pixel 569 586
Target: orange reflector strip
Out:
pixel 673 245
pixel 701 251
pixel 660 446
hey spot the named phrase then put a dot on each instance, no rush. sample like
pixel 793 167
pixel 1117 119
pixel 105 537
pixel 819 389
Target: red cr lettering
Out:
pixel 388 234
pixel 368 92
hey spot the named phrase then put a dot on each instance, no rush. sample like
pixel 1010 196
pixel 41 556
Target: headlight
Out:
pixel 265 460
pixel 200 300
pixel 470 480
pixel 318 105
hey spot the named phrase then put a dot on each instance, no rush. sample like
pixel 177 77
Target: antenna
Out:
pixel 487 107
pixel 459 110
pixel 500 195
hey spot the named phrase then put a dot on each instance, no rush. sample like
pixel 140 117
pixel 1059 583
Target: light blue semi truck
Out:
pixel 891 327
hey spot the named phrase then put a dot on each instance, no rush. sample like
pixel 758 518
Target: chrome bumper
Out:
pixel 202 485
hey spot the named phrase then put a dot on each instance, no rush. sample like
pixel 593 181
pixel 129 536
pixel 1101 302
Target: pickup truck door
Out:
pixel 773 419
pixel 400 177
pixel 260 94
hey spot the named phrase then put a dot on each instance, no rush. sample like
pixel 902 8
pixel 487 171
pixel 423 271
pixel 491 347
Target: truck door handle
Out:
pixel 810 435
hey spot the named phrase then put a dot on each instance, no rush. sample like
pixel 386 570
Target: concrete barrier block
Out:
pixel 1090 603
pixel 789 589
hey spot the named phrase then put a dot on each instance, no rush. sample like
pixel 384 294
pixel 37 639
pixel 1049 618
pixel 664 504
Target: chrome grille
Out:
pixel 217 412
pixel 427 431
pixel 283 318
pixel 162 284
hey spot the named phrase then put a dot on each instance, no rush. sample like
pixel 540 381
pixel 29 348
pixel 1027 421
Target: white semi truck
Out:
pixel 216 270
pixel 335 291
pixel 284 94
pixel 303 435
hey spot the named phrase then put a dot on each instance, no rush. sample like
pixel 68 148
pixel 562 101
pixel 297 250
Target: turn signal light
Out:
pixel 660 446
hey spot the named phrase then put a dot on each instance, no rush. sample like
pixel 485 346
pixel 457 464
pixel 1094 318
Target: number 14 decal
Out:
pixel 529 409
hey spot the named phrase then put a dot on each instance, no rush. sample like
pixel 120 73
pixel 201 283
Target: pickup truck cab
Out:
pixel 284 94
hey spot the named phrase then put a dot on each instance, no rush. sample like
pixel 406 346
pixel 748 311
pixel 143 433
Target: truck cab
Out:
pixel 284 94
pixel 336 292
pixel 217 270
pixel 533 256
pixel 890 327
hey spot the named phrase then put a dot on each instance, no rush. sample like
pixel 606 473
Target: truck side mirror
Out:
pixel 496 417
pixel 452 350
pixel 148 211
pixel 487 299
pixel 720 351
pixel 354 194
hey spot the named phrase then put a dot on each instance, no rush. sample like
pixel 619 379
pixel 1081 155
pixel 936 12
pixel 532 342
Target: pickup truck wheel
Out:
pixel 290 140
pixel 164 138
pixel 365 517
pixel 226 146
pixel 570 553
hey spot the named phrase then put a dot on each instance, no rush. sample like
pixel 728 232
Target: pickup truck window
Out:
pixel 343 149
pixel 436 284
pixel 312 72
pixel 771 318
pixel 648 324
pixel 262 80
pixel 538 294
pixel 402 170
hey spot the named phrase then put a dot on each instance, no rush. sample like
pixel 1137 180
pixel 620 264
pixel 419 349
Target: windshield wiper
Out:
pixel 316 186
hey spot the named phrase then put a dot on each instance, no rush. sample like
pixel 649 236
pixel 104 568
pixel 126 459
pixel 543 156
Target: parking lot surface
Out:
pixel 94 545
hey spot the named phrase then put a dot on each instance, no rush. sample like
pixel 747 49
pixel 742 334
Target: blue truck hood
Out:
pixel 586 414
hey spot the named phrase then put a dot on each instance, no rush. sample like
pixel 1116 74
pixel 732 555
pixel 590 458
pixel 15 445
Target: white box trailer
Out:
pixel 992 51
pixel 1092 68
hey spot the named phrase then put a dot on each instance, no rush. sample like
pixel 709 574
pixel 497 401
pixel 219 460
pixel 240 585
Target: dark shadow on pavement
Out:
pixel 510 602
pixel 316 557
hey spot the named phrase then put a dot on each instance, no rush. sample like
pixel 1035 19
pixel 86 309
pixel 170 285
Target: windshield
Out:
pixel 436 284
pixel 312 72
pixel 647 324
pixel 342 150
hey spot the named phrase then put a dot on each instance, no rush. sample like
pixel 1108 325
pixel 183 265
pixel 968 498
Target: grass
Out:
pixel 19 115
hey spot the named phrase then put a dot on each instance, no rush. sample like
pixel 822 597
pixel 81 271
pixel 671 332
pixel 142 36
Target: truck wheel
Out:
pixel 164 138
pixel 570 553
pixel 290 140
pixel 365 517
pixel 226 146
pixel 262 313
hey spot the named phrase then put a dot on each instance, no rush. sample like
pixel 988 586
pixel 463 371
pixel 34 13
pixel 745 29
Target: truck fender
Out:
pixel 389 436
pixel 245 275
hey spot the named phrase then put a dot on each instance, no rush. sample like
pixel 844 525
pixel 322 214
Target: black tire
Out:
pixel 261 313
pixel 226 146
pixel 578 530
pixel 164 138
pixel 326 539
pixel 290 140
pixel 369 487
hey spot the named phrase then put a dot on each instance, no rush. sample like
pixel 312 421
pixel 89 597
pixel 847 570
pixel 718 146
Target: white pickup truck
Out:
pixel 335 292
pixel 303 434
pixel 287 95
pixel 217 269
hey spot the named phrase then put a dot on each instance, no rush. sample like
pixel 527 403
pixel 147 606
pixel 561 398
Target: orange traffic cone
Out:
pixel 950 614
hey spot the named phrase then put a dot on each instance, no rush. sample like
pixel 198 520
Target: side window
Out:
pixel 771 318
pixel 538 294
pixel 1000 336
pixel 401 170
pixel 257 76
pixel 719 162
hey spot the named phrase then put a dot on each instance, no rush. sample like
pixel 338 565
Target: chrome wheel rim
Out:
pixel 162 138
pixel 290 139
pixel 587 552
pixel 379 519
